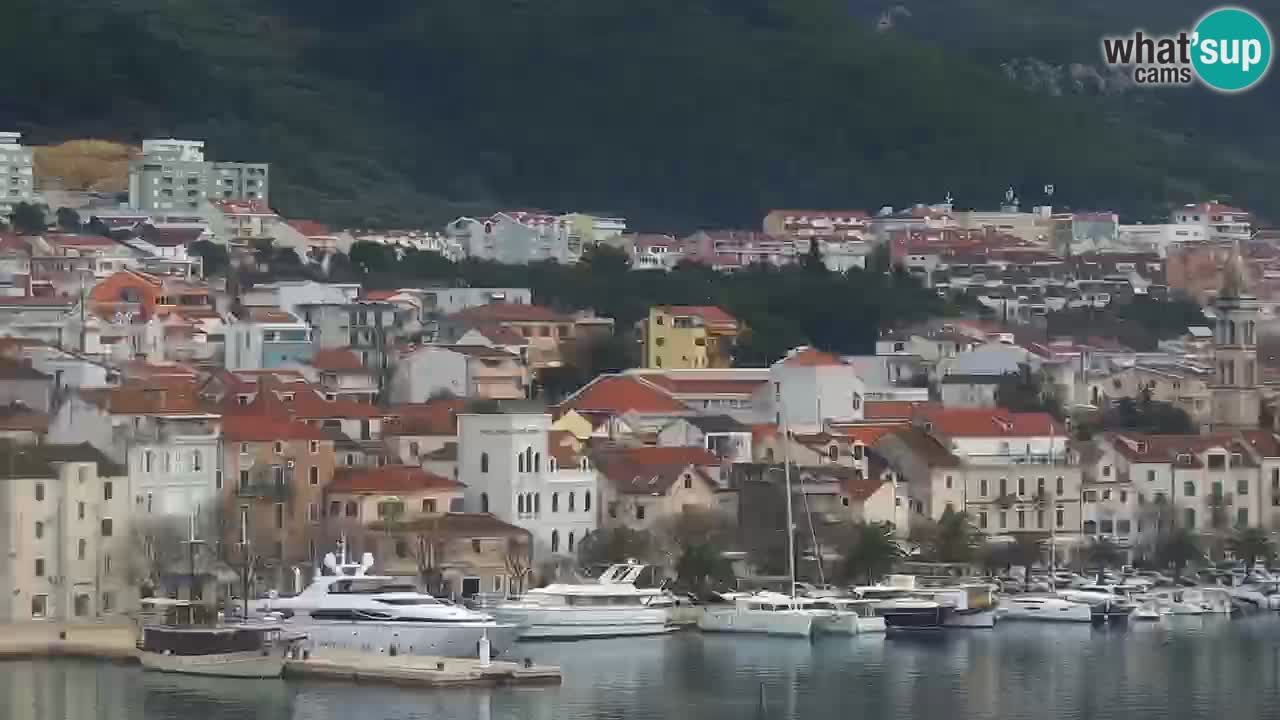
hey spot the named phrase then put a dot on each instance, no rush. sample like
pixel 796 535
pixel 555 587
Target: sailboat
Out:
pixel 769 613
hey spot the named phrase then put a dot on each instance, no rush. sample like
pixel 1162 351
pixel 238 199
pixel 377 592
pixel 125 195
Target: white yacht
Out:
pixel 611 607
pixel 973 605
pixel 845 616
pixel 352 610
pixel 1111 603
pixel 1044 608
pixel 766 613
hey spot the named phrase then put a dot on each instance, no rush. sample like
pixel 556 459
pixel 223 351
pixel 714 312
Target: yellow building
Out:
pixel 689 336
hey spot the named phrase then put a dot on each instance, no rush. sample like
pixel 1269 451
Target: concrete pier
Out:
pixel 418 670
pixel 115 643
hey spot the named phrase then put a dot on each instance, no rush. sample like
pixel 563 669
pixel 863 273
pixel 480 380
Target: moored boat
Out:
pixel 765 613
pixel 1044 608
pixel 611 607
pixel 242 651
pixel 845 616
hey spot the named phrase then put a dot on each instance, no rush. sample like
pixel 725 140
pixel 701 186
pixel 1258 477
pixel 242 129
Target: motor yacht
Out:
pixel 973 605
pixel 611 607
pixel 1110 603
pixel 351 610
pixel 1044 608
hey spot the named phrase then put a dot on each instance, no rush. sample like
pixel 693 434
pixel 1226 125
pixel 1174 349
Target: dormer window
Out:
pixel 584 463
pixel 833 453
pixel 1184 459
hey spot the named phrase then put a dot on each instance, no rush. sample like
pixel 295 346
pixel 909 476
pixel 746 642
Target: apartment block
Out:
pixel 174 174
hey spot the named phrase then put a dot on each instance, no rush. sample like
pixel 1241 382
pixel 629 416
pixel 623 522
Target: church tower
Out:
pixel 1236 396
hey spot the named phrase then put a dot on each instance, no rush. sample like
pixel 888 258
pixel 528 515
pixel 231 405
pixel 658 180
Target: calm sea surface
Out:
pixel 1188 668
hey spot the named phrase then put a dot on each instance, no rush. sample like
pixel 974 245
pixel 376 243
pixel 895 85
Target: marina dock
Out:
pixel 115 643
pixel 418 671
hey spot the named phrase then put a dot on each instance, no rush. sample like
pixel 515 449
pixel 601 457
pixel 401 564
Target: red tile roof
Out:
pixel 697 386
pixel 862 488
pixel 75 240
pixel 618 394
pixel 434 417
pixel 19 418
pixel 389 479
pixel 260 428
pixel 763 431
pixel 710 314
pixel 893 409
pixel 310 228
pixel 171 236
pixel 462 525
pixel 650 470
pixel 1141 447
pixel 337 360
pixel 809 357
pixel 866 434
pixel 509 312
pixel 499 335
pixel 989 422
pixel 172 397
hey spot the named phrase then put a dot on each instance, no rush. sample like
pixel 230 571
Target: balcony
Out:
pixel 269 490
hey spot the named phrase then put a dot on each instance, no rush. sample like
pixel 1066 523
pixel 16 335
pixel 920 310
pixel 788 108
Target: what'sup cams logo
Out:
pixel 1229 50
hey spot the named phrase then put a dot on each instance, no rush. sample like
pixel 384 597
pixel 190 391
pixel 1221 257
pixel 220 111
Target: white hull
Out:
pixel 408 638
pixel 790 623
pixel 568 623
pixel 847 624
pixel 253 664
pixel 971 619
pixel 1049 610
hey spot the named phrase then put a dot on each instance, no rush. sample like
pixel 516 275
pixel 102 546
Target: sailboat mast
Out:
pixel 786 474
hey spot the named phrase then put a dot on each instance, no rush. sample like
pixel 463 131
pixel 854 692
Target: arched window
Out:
pixel 555 502
pixel 586 501
pixel 537 462
pixel 484 462
pixel 537 503
pixel 520 503
pixel 833 453
pixel 571 502
pixel 196 461
pixel 147 459
pixel 552 464
pixel 528 459
pixel 555 541
pixel 484 502
pixel 520 462
pixel 570 541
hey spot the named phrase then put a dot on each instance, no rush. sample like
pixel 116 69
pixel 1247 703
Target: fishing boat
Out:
pixel 241 651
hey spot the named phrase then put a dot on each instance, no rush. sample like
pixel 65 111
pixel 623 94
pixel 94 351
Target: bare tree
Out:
pixel 517 563
pixel 427 548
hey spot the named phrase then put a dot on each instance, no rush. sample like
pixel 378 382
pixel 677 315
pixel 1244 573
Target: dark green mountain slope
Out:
pixel 674 112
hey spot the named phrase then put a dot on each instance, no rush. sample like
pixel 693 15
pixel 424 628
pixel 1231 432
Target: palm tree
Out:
pixel 1250 544
pixel 870 551
pixel 956 538
pixel 1102 553
pixel 1177 548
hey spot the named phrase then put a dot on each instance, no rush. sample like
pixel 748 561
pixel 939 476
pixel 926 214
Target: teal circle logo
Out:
pixel 1231 49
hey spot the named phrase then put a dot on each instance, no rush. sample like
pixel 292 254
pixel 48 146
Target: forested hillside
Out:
pixel 676 113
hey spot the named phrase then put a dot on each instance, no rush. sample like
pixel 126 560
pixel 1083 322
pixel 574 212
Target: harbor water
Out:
pixel 1178 668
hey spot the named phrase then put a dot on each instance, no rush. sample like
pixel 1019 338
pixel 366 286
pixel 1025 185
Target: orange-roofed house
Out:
pixel 996 435
pixel 689 336
pixel 644 487
pixel 341 372
pixel 360 497
pixel 168 438
pixel 808 389
pixel 277 470
pixel 145 295
pixel 544 328
pixel 624 403
pixel 475 371
pixel 457 554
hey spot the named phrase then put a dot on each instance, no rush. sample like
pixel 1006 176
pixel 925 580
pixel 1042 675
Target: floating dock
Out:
pixel 418 670
pixel 115 643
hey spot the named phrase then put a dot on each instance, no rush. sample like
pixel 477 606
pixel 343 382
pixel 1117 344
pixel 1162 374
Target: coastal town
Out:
pixel 203 398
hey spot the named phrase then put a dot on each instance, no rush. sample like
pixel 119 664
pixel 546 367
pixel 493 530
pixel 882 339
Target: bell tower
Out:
pixel 1235 393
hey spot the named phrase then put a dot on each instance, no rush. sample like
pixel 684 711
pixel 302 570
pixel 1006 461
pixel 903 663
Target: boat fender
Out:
pixel 393 652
